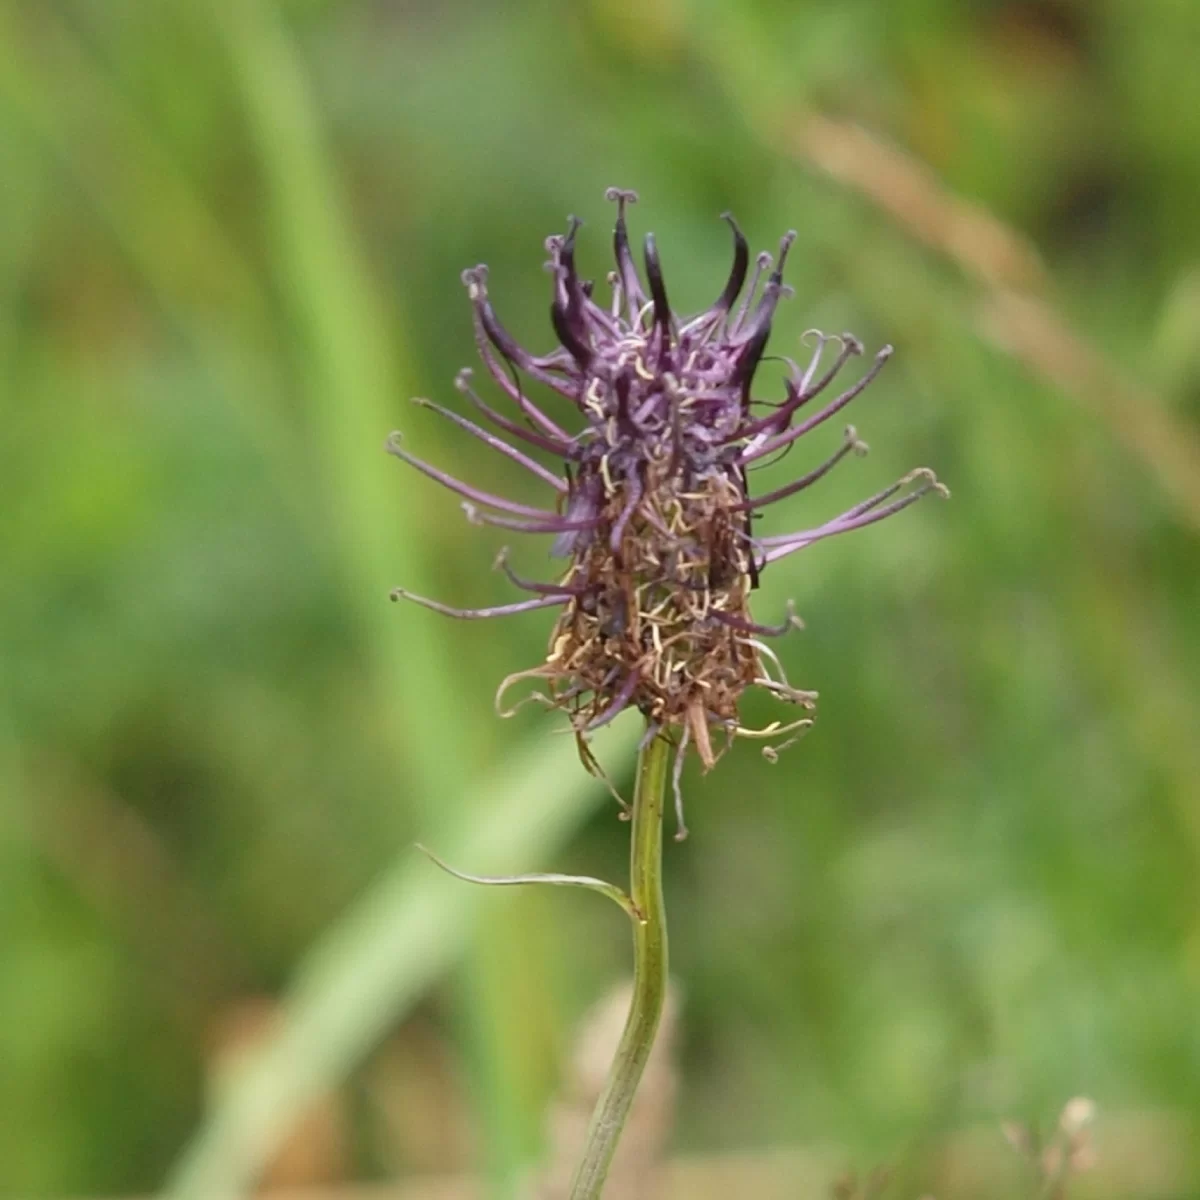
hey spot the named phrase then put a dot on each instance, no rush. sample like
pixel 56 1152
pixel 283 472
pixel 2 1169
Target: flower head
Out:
pixel 652 512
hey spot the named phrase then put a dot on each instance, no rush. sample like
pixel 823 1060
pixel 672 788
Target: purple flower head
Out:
pixel 651 513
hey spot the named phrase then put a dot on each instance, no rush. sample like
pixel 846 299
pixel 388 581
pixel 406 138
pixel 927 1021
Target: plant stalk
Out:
pixel 649 971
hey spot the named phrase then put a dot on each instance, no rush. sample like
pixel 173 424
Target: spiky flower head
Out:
pixel 652 513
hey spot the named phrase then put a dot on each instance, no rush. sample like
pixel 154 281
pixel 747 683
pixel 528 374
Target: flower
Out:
pixel 652 511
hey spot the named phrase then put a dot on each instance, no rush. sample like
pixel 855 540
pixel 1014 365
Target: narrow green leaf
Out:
pixel 614 893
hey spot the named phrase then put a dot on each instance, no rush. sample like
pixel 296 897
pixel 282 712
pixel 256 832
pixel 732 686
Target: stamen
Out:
pixel 488 329
pixel 496 443
pixel 731 621
pixel 759 332
pixel 528 585
pixel 542 672
pixel 800 396
pixel 851 446
pixel 866 513
pixel 775 728
pixel 554 244
pixel 463 489
pixel 478 614
pixel 770 655
pixel 475 281
pixel 681 829
pixel 761 263
pixel 815 361
pixel 510 383
pixel 552 523
pixel 631 285
pixel 785 244
pixel 551 445
pixel 614 282
pixel 850 345
pixel 772 753
pixel 770 445
pixel 929 483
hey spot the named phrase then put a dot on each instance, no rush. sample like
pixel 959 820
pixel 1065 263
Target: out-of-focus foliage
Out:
pixel 230 239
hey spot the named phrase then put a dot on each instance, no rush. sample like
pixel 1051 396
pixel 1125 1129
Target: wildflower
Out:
pixel 652 512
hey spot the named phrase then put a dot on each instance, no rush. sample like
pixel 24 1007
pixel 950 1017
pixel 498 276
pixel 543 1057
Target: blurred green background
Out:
pixel 231 233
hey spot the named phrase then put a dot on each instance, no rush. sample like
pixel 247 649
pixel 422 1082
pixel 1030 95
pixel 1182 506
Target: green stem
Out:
pixel 649 971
